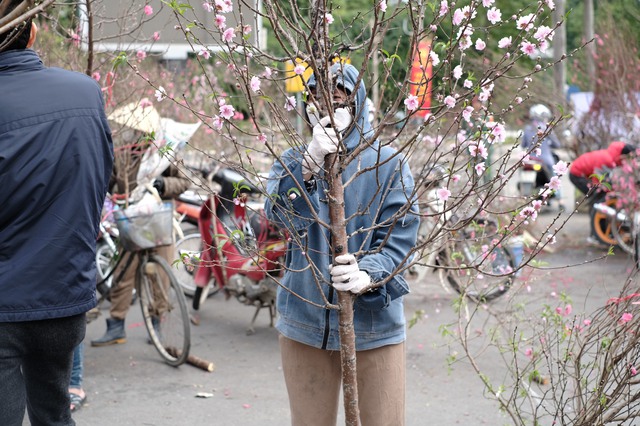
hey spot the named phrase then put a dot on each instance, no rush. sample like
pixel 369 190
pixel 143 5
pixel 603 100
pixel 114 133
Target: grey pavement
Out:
pixel 130 385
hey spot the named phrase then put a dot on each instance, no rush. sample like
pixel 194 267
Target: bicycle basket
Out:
pixel 145 227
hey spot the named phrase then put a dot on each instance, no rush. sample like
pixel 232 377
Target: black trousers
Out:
pixel 35 368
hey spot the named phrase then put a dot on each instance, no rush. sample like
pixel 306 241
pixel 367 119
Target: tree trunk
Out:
pixel 345 299
pixel 338 229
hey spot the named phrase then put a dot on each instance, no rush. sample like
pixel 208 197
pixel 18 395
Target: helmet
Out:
pixel 539 112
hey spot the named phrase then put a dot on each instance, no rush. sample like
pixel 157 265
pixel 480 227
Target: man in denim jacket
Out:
pixel 382 225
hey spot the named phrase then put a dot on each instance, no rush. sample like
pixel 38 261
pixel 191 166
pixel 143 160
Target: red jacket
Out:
pixel 586 164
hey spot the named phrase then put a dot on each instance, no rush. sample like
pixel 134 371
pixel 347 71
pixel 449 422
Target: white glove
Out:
pixel 325 140
pixel 347 276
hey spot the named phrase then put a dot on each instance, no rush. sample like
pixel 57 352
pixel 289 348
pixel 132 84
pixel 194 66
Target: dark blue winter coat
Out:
pixel 56 155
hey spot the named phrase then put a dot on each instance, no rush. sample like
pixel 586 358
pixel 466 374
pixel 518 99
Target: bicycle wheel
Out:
pixel 190 244
pixel 602 225
pixel 106 260
pixel 474 266
pixel 164 309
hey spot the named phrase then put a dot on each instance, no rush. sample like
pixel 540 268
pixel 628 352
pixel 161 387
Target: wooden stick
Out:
pixel 193 360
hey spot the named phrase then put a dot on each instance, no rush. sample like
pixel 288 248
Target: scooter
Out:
pixel 242 253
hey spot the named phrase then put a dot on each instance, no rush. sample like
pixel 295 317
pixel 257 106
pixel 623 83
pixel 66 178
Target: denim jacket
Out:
pixel 380 241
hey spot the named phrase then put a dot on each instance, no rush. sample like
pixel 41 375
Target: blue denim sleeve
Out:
pixel 289 204
pixel 399 237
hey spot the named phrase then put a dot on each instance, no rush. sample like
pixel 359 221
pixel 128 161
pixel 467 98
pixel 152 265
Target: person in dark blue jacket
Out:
pixel 56 156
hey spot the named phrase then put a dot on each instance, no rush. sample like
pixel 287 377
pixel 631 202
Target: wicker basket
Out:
pixel 145 227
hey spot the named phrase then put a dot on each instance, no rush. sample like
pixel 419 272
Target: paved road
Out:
pixel 129 385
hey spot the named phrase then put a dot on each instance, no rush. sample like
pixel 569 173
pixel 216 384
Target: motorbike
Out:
pixel 531 176
pixel 241 253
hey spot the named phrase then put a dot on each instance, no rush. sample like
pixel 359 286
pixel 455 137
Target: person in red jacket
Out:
pixel 586 165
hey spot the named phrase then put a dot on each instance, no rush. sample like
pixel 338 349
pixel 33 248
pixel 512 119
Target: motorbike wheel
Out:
pixel 623 234
pixel 473 272
pixel 164 309
pixel 190 244
pixel 602 225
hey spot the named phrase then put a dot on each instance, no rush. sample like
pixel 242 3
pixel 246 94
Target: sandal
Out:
pixel 76 401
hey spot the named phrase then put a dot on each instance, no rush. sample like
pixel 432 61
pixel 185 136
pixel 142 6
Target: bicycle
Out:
pixel 163 305
pixel 469 254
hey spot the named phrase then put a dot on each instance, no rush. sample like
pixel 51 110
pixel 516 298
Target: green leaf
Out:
pixel 119 60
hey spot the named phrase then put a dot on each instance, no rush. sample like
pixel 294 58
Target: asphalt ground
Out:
pixel 130 385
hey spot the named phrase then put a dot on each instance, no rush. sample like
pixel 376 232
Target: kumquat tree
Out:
pixel 442 85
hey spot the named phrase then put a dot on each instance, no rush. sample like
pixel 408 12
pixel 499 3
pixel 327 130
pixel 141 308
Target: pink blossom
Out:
pixel 224 6
pixel 551 239
pixel 518 100
pixel 554 183
pixel 633 370
pixel 528 352
pixel 494 15
pixel 463 13
pixel 411 102
pixel 528 213
pixel 267 72
pixel 450 101
pixel 96 76
pixel 227 111
pixel 207 6
pixel 480 44
pixel 525 22
pixel 536 204
pixel 148 10
pixel 299 69
pixel 466 113
pixel 504 42
pixel 587 322
pixel 141 54
pixel 542 33
pixel 221 22
pixel 443 194
pixel 478 149
pixel 444 8
pixel 455 178
pixel 156 36
pixel 457 72
pixel 435 60
pixel 626 317
pixel 229 34
pixel 262 138
pixel 479 168
pixel 255 83
pixel 246 29
pixel 290 104
pixel 551 4
pixel 205 53
pixel 160 94
pixel 217 122
pixel 145 103
pixel 468 84
pixel 382 6
pixel 528 48
pixel 498 131
pixel 328 18
pixel 568 309
pixel 458 16
pixel 560 168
